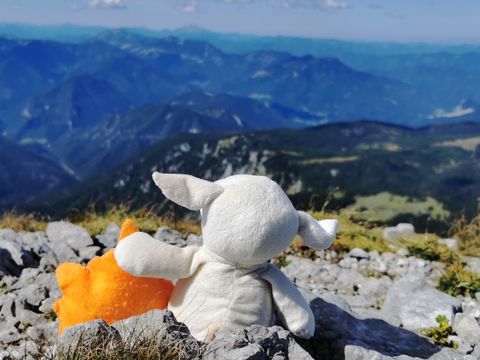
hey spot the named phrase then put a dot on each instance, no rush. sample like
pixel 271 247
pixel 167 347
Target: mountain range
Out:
pixel 85 104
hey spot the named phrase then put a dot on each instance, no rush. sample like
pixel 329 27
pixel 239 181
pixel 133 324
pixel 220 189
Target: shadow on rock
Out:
pixel 339 335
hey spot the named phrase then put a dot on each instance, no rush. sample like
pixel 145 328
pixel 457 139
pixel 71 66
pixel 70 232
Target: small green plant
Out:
pixel 440 334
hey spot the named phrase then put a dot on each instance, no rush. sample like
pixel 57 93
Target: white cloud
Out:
pixel 335 5
pixel 108 4
pixel 190 7
pixel 315 4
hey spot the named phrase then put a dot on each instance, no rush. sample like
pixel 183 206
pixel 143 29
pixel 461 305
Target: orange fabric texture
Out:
pixel 102 290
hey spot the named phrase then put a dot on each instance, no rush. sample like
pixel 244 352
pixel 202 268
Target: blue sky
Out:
pixel 447 21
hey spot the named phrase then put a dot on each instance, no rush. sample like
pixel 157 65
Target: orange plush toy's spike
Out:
pixel 102 290
pixel 128 228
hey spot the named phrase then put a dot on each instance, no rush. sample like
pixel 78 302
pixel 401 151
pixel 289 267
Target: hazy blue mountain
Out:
pixel 24 174
pixel 117 138
pixel 61 33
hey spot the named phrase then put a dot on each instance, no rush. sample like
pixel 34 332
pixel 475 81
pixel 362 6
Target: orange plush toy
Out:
pixel 101 290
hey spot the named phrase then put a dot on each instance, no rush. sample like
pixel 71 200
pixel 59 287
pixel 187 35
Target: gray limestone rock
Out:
pixel 67 233
pixel 415 305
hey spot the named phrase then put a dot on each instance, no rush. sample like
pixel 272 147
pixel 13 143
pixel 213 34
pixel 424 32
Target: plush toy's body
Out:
pixel 102 290
pixel 228 282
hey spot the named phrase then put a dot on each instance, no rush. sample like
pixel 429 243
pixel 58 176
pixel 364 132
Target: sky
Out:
pixel 438 21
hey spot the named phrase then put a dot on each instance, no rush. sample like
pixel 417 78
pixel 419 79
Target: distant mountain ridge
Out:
pixel 25 175
pixel 349 159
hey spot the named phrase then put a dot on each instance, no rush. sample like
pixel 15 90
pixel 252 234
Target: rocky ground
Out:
pixel 367 305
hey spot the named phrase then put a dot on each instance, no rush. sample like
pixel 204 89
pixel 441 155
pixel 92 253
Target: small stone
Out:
pixel 359 254
pixel 169 236
pixel 450 243
pixel 401 231
pixel 403 252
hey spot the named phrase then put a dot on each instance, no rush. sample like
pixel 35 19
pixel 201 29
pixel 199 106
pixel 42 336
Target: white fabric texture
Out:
pixel 246 220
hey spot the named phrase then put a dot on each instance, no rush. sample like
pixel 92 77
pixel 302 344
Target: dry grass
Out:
pixel 22 222
pixel 146 219
pixel 163 344
pixel 467 233
pixel 96 221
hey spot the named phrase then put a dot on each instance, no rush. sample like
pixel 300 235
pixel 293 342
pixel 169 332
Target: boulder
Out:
pixel 415 305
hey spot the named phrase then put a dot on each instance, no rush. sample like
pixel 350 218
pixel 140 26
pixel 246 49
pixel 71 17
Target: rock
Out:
pixel 48 259
pixel 255 342
pixel 473 264
pixel 110 237
pixel 91 334
pixel 46 331
pixel 415 305
pixel 337 329
pixel 467 327
pixel 64 253
pixel 8 333
pixel 7 265
pixel 401 231
pixel 13 257
pixel 194 240
pixel 450 243
pixel 67 233
pixel 87 253
pixel 169 236
pixel 359 254
pixel 348 263
pixel 463 346
pixel 160 325
pixel 32 294
pixel 403 252
pixel 471 307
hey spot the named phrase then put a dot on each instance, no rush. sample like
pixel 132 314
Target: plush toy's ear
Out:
pixel 316 234
pixel 186 190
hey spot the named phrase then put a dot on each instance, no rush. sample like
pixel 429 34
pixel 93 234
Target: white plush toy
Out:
pixel 228 282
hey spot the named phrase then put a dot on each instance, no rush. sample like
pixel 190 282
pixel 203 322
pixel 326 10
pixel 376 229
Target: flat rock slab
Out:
pixel 415 305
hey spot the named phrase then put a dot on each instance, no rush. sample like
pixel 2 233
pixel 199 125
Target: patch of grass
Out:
pixel 440 334
pixel 96 221
pixel 467 233
pixel 384 207
pixel 354 234
pixel 138 345
pixel 22 222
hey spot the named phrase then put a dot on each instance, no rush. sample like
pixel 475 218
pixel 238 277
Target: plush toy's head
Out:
pixel 246 219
